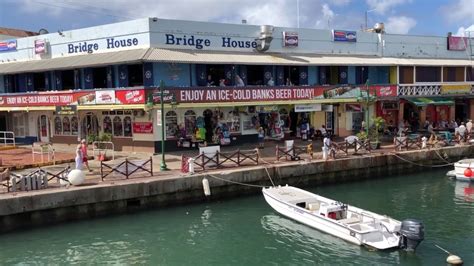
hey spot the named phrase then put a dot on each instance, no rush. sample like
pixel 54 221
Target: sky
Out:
pixel 416 17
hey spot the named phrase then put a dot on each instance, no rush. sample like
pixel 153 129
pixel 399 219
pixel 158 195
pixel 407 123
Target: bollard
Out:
pixel 191 166
pixel 14 181
pixel 45 180
pixel 325 153
pixel 33 182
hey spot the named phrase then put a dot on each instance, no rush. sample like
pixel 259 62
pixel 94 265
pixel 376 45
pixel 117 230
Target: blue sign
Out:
pixel 8 45
pixel 344 36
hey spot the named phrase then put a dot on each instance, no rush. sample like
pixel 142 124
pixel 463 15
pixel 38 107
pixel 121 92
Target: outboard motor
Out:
pixel 412 233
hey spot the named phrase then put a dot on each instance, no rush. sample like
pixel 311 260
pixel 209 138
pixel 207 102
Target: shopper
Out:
pixel 84 154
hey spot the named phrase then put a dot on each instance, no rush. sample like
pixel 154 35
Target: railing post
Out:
pixel 238 157
pixel 151 165
pixel 126 168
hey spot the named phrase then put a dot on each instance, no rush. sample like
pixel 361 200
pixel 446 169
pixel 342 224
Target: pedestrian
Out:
pixel 84 154
pixel 79 156
pixel 469 126
pixel 261 138
pixel 326 146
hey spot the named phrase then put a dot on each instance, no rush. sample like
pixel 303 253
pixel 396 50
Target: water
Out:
pixel 246 231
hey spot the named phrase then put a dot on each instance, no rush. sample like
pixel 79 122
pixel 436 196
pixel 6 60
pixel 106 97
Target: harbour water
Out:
pixel 246 231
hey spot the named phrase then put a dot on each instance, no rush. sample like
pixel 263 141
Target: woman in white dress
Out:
pixel 79 157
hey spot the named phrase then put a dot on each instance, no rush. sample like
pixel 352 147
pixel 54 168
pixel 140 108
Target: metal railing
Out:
pixel 42 149
pixel 103 147
pixel 7 138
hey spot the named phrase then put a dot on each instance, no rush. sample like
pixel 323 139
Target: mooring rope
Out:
pixel 266 169
pixel 423 165
pixel 235 182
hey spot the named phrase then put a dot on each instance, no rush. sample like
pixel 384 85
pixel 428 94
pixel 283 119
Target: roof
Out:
pixel 16 33
pixel 432 101
pixel 215 57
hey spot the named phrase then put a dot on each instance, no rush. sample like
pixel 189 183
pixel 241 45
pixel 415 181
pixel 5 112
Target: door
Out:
pixel 43 128
pixel 90 127
pixel 3 122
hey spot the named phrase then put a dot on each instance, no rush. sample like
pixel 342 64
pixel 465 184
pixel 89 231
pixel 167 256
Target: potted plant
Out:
pixel 374 132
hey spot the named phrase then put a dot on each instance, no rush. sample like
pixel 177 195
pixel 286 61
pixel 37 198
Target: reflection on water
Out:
pixel 464 193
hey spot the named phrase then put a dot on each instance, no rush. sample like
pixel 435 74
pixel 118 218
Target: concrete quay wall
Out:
pixel 27 209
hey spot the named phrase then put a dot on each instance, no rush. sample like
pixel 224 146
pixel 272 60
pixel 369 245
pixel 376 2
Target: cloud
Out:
pixel 459 11
pixel 340 2
pixel 469 31
pixel 327 16
pixel 382 6
pixel 399 25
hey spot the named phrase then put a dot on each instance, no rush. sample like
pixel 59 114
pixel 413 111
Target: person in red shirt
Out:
pixel 84 154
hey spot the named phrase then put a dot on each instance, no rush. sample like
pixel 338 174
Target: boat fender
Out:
pixel 468 172
pixel 454 260
pixel 206 187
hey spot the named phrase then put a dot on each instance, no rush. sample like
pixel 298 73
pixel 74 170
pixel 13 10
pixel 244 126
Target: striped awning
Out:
pixel 430 101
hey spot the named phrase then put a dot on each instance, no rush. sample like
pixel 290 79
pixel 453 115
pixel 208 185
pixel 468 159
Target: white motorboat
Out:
pixel 463 170
pixel 350 223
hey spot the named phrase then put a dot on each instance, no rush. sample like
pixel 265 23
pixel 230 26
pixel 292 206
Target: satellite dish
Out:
pixel 43 31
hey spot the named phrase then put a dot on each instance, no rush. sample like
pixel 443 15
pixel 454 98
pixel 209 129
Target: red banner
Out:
pixel 386 91
pixel 143 127
pixel 130 96
pixel 41 99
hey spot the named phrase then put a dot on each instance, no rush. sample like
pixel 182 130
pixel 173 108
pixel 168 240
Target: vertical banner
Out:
pixel 148 75
pixel 30 82
pixel 229 75
pixel 268 74
pixel 303 75
pixel 88 78
pixel 323 75
pixel 158 118
pixel 8 83
pixel 201 75
pixel 77 79
pixel 243 73
pixel 47 80
pixel 123 75
pixel 110 77
pixel 21 82
pixel 58 80
pixel 343 73
pixel 280 78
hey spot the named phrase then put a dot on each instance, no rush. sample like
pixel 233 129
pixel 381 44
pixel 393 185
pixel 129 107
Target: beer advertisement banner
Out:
pixel 40 47
pixel 290 39
pixel 143 127
pixel 344 36
pixel 8 45
pixel 130 96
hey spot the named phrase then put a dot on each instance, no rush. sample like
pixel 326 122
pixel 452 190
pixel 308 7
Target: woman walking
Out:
pixel 84 154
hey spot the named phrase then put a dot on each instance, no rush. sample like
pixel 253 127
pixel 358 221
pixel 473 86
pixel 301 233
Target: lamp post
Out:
pixel 163 166
pixel 366 12
pixel 367 108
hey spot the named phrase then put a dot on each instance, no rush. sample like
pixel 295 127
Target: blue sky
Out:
pixel 420 17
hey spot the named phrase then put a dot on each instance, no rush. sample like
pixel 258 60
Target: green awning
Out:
pixel 432 101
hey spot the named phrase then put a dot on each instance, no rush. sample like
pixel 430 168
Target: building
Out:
pixel 224 80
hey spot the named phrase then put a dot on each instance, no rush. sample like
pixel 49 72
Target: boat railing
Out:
pixel 368 215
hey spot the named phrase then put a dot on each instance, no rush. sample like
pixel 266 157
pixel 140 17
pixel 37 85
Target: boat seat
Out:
pixel 351 220
pixel 313 206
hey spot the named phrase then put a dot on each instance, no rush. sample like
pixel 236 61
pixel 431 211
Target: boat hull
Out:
pixel 373 230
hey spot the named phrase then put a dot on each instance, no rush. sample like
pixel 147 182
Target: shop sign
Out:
pixel 143 127
pixel 105 97
pixel 158 118
pixel 41 99
pixel 130 96
pixel 290 39
pixel 40 47
pixel 457 43
pixel 66 110
pixel 344 36
pixel 301 108
pixel 456 89
pixel 385 91
pixel 8 45
pixel 353 107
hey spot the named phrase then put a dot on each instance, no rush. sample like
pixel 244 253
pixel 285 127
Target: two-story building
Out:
pixel 229 78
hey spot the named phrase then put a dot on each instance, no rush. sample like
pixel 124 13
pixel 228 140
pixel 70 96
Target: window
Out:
pixel 67 77
pixel 406 74
pixel 171 122
pixel 39 81
pixel 469 73
pixel 428 74
pixel 135 74
pixel 118 127
pixel 255 75
pixel 189 122
pixel 107 125
pixel 214 74
pixel 58 126
pixel 66 126
pixel 99 77
pixel 19 123
pixel 74 125
pixel 127 126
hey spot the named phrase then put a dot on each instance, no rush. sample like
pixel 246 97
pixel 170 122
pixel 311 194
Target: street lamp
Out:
pixel 367 11
pixel 163 166
pixel 367 98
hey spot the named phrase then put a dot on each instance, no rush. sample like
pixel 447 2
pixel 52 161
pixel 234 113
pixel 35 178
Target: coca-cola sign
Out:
pixel 130 96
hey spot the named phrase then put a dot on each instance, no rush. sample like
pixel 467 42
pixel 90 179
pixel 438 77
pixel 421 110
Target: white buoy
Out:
pixel 76 177
pixel 454 260
pixel 206 187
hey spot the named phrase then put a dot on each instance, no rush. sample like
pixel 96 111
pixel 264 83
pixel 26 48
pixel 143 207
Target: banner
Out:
pixel 344 36
pixel 40 47
pixel 142 127
pixel 8 45
pixel 457 43
pixel 456 89
pixel 290 39
pixel 130 96
pixel 301 108
pixel 105 97
pixel 66 110
pixel 41 99
pixel 385 91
